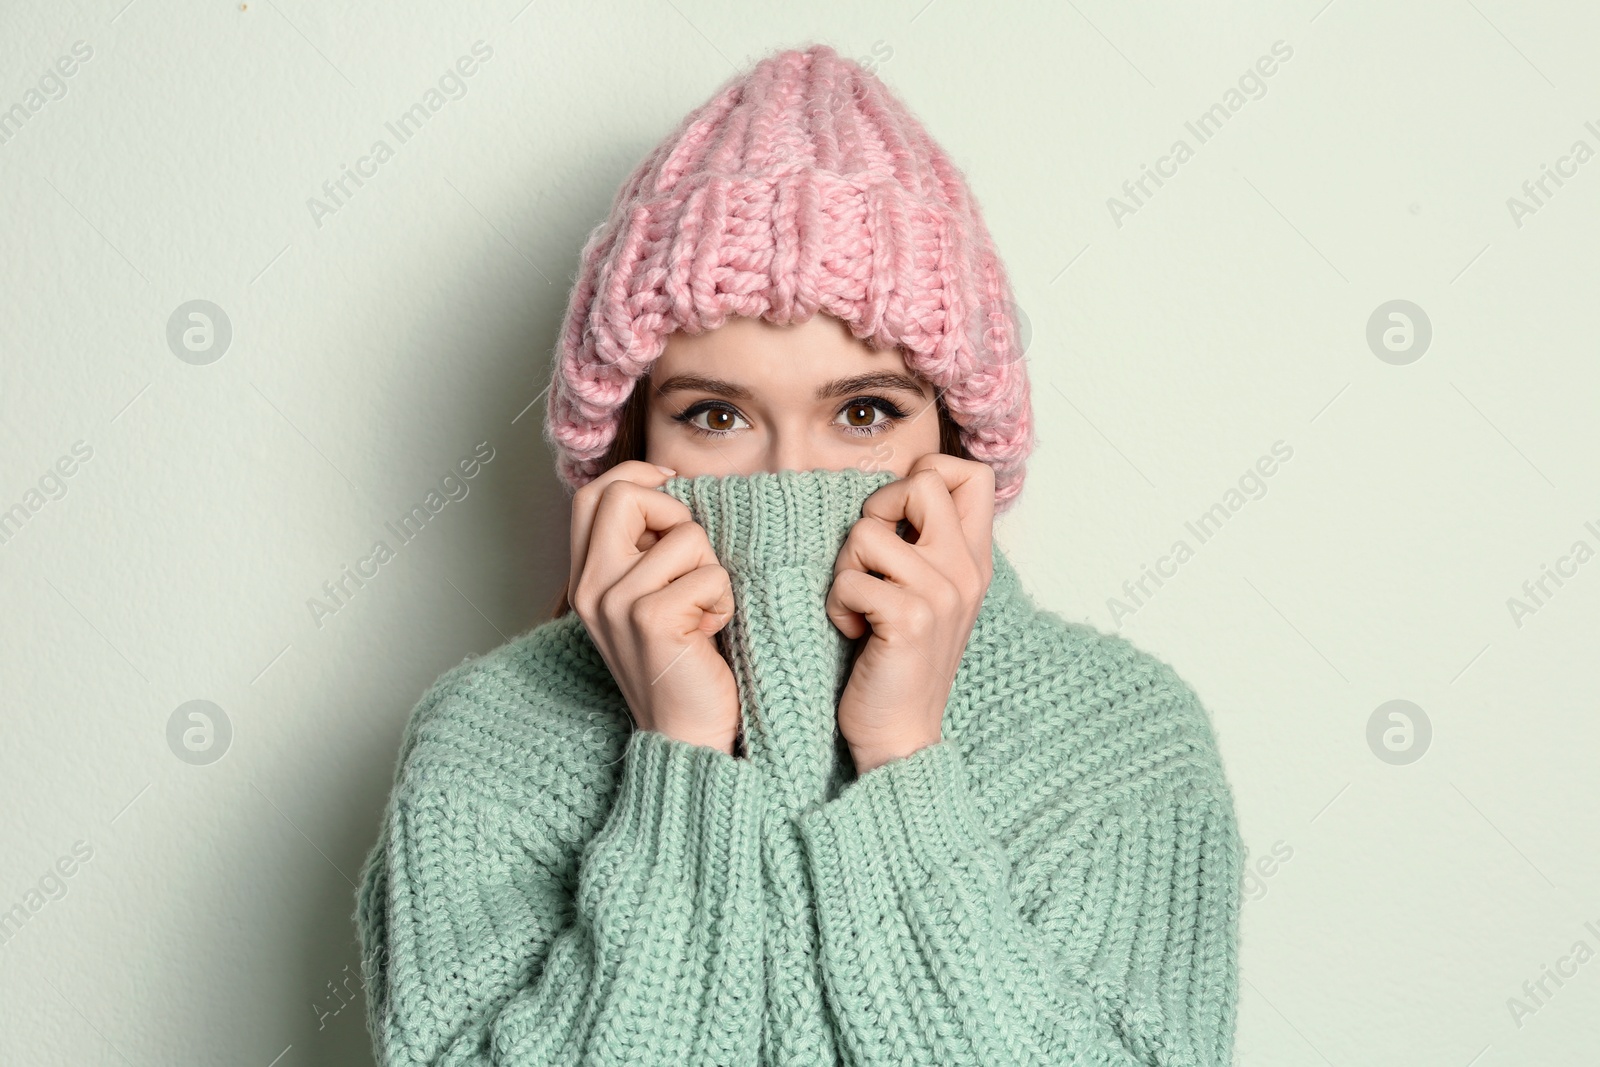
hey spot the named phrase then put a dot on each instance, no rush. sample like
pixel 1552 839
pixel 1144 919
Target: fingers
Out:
pixel 950 502
pixel 873 546
pixel 922 495
pixel 922 499
pixel 857 600
pixel 626 511
pixel 586 506
pixel 970 483
pixel 682 550
pixel 700 600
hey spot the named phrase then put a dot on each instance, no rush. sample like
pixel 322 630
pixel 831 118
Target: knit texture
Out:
pixel 802 185
pixel 1057 881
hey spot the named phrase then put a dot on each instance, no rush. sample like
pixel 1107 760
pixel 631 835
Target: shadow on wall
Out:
pixel 519 539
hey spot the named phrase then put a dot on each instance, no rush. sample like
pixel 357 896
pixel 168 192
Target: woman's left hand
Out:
pixel 921 612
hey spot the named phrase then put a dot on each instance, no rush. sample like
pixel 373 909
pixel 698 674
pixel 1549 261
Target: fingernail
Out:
pixel 665 470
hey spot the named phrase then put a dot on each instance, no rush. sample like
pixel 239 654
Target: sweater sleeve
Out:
pixel 484 952
pixel 931 957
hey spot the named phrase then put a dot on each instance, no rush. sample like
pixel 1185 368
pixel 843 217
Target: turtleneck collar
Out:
pixel 778 535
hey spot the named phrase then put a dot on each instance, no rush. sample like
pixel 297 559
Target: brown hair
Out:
pixel 630 441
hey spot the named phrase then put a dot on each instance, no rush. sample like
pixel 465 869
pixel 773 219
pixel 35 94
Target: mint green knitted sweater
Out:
pixel 1057 881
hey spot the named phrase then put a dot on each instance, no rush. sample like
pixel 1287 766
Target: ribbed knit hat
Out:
pixel 803 184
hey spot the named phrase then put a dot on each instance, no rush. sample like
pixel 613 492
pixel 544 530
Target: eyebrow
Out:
pixel 858 383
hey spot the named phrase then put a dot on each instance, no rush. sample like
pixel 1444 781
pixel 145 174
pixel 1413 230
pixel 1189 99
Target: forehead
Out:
pixel 756 352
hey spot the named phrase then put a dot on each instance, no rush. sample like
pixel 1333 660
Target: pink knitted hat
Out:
pixel 803 184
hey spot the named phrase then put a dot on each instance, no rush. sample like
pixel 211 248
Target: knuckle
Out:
pixel 689 532
pixel 648 612
pixel 584 600
pixel 631 469
pixel 615 489
pixel 612 605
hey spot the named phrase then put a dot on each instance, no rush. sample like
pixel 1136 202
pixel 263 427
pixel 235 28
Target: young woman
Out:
pixel 799 774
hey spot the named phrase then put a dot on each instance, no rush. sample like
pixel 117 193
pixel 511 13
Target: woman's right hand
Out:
pixel 652 594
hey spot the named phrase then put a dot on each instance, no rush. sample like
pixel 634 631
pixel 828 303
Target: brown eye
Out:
pixel 860 414
pixel 719 419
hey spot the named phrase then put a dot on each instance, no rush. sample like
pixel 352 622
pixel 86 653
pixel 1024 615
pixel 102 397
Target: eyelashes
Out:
pixel 893 413
pixel 693 411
